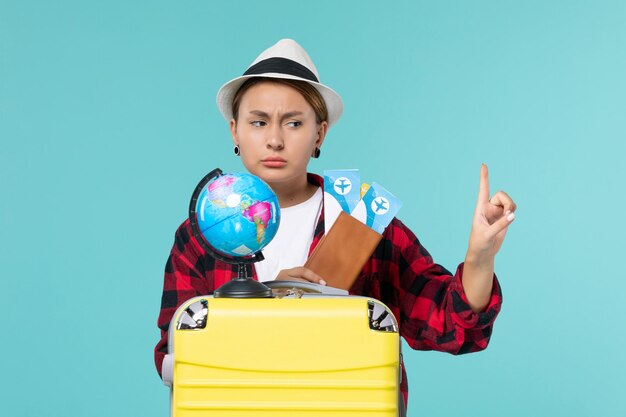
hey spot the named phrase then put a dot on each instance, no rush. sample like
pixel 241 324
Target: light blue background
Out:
pixel 107 122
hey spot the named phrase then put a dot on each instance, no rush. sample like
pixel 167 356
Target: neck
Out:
pixel 292 193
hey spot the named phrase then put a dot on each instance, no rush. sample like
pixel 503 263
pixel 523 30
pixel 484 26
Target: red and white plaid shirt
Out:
pixel 428 301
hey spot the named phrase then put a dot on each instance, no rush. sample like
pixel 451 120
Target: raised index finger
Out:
pixel 483 191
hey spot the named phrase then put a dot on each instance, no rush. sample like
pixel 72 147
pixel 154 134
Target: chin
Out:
pixel 276 176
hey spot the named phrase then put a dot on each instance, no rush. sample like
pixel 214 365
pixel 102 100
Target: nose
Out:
pixel 275 138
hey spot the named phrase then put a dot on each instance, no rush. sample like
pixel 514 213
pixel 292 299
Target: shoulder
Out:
pixel 400 238
pixel 185 241
pixel 399 233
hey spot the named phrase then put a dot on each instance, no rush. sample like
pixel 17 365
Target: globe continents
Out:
pixel 238 214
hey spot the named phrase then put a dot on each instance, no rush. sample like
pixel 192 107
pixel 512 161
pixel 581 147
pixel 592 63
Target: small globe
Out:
pixel 238 214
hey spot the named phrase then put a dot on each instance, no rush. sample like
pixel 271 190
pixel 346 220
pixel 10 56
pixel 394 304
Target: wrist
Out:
pixel 479 260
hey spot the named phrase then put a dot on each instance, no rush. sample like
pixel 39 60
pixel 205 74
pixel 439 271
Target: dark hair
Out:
pixel 310 94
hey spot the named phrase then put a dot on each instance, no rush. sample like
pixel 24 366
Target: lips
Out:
pixel 274 162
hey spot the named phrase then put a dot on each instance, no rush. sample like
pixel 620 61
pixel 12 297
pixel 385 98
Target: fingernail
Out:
pixel 507 212
pixel 510 217
pixel 322 282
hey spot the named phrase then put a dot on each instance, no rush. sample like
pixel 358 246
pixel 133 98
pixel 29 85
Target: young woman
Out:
pixel 279 114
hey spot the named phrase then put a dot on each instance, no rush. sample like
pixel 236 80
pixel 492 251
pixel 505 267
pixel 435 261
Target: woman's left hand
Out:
pixel 492 218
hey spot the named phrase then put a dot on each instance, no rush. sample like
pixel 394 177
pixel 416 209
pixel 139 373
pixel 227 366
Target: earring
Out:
pixel 316 153
pixel 237 152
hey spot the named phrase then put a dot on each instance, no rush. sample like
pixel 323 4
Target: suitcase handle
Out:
pixel 306 286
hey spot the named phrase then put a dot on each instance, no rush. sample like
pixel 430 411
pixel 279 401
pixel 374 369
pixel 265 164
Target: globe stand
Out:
pixel 243 286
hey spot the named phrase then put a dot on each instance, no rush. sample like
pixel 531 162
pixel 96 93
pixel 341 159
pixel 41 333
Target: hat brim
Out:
pixel 227 92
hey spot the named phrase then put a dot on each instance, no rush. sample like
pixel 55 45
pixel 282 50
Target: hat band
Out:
pixel 282 66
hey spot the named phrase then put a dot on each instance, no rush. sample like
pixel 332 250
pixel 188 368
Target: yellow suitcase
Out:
pixel 309 351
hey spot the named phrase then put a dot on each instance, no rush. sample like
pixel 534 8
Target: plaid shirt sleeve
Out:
pixel 428 300
pixel 189 272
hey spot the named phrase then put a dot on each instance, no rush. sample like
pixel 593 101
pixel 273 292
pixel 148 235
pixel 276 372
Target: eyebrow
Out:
pixel 284 116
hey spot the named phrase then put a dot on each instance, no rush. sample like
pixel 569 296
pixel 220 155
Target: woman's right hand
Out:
pixel 300 273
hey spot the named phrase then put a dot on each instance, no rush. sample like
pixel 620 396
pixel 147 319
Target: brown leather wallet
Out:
pixel 340 255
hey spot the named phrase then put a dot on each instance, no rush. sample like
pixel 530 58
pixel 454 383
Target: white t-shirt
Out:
pixel 290 247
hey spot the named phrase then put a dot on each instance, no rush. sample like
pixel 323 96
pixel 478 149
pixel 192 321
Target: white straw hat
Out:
pixel 288 60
